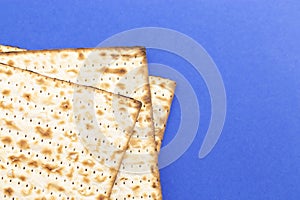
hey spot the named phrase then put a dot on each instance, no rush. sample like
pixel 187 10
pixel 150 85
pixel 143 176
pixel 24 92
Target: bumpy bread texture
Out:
pixel 119 70
pixel 162 92
pixel 143 185
pixel 47 132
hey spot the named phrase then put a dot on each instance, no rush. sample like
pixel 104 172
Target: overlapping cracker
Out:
pixel 162 92
pixel 122 71
pixel 46 126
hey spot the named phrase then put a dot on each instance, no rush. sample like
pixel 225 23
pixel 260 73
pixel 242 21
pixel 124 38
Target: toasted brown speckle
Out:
pixel 80 56
pixel 100 179
pixel 40 81
pixel 45 133
pixel 10 62
pixel 27 62
pixel 8 191
pixel 53 186
pixel 6 92
pixel 121 86
pixel 100 112
pixel 59 149
pixel 101 197
pixel 23 144
pixel 73 156
pixel 119 71
pixel 52 168
pixel 17 159
pixel 72 70
pixel 47 151
pixel 6 140
pixel 86 180
pixel 27 96
pixel 22 178
pixel 65 105
pixel 70 174
pixel 89 126
pixel 64 55
pixel 89 163
pixel 6 107
pixel 135 188
pixel 33 163
pixel 8 72
pixel 11 124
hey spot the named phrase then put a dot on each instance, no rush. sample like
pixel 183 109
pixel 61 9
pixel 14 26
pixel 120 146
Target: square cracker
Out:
pixel 162 92
pixel 59 139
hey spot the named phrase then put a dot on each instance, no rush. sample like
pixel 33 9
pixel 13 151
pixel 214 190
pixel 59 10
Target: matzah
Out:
pixel 123 71
pixel 162 92
pixel 6 48
pixel 44 152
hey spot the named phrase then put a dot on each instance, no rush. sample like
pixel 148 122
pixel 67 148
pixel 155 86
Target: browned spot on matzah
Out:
pixel 6 92
pixel 8 191
pixel 53 186
pixel 146 99
pixel 89 126
pixel 17 159
pixel 103 54
pixel 8 72
pixel 162 85
pixel 27 62
pixel 52 168
pixel 47 151
pixel 86 180
pixel 121 86
pixel 126 57
pixel 72 70
pixel 22 178
pixel 55 116
pixel 136 187
pixel 64 55
pixel 27 96
pixel 89 163
pixel 33 163
pixel 115 56
pixel 119 71
pixel 10 124
pixel 59 149
pixel 105 85
pixel 80 56
pixel 65 105
pixel 154 185
pixel 100 179
pixel 41 81
pixel 73 156
pixel 45 133
pixel 101 197
pixel 6 140
pixel 70 174
pixel 10 62
pixel 99 112
pixel 6 107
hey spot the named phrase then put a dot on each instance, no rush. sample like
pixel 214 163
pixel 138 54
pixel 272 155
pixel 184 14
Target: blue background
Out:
pixel 256 46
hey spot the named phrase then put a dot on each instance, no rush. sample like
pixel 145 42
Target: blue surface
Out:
pixel 256 46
